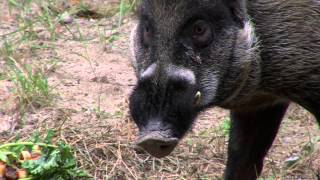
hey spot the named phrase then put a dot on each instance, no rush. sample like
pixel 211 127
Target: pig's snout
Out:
pixel 157 145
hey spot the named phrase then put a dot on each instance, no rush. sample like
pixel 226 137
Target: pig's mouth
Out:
pixel 156 144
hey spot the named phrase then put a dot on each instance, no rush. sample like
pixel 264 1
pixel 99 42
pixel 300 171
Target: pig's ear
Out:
pixel 238 10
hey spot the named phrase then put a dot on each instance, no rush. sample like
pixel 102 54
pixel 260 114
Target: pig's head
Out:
pixel 188 55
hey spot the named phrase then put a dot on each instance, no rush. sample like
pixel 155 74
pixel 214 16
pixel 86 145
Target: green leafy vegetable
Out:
pixel 59 163
pixel 55 161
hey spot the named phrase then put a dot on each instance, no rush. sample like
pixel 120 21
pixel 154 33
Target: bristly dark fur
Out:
pixel 264 54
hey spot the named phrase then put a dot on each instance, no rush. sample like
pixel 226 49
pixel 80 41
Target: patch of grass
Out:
pixel 105 115
pixel 2 76
pixel 20 51
pixel 126 6
pixel 102 114
pixel 96 10
pixel 112 38
pixel 222 130
pixel 209 132
pixel 34 13
pixel 225 126
pixel 31 87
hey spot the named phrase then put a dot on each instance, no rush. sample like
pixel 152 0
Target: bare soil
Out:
pixel 91 82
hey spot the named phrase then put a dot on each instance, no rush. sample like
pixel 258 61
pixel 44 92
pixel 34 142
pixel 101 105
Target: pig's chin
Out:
pixel 156 144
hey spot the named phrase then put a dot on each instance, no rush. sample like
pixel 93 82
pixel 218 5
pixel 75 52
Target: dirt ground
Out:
pixel 91 81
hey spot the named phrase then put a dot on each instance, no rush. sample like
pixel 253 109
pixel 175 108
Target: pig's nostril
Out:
pixel 158 148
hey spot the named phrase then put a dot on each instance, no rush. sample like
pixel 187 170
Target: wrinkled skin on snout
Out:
pixel 180 62
pixel 164 114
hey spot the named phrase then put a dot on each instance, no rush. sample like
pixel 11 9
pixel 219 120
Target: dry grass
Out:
pixel 105 147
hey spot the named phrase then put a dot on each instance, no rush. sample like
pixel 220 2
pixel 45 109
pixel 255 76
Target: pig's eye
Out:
pixel 201 34
pixel 147 35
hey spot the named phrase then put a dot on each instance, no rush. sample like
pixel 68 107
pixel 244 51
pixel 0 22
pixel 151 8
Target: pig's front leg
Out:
pixel 251 136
